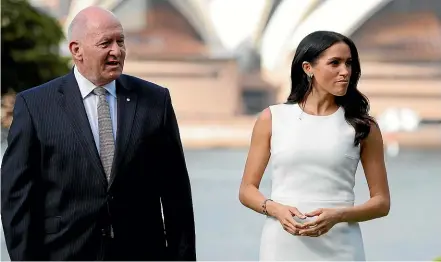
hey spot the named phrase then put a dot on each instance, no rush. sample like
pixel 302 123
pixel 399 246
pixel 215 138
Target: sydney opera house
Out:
pixel 225 60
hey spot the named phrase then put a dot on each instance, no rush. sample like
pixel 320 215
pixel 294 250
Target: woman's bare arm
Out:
pixel 372 159
pixel 256 163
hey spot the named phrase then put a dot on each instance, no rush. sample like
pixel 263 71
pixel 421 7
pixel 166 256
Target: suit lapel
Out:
pixel 72 103
pixel 126 106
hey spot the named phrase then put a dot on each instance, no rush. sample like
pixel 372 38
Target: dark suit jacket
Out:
pixel 56 201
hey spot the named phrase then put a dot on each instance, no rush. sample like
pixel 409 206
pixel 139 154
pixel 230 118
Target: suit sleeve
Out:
pixel 18 174
pixel 176 193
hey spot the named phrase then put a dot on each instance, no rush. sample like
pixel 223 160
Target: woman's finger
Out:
pixel 315 212
pixel 314 223
pixel 294 211
pixel 312 231
pixel 298 226
pixel 290 229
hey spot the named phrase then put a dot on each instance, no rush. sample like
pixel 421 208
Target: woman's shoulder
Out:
pixel 267 114
pixel 282 107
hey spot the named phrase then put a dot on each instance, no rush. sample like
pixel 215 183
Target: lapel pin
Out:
pixel 128 99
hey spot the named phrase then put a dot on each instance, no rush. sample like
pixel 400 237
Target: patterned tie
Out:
pixel 107 143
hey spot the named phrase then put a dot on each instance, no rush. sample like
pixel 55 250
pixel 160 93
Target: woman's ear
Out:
pixel 307 68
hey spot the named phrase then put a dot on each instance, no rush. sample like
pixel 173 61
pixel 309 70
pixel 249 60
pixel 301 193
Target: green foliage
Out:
pixel 29 46
pixel 437 259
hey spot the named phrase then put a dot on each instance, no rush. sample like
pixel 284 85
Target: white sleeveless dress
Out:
pixel 314 163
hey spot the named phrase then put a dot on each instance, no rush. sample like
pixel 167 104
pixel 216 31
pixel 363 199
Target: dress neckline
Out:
pixel 305 114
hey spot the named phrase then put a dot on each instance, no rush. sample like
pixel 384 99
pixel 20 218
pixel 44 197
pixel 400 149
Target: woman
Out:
pixel 316 141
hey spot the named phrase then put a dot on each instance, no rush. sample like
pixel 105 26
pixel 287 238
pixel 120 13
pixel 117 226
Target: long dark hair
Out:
pixel 355 104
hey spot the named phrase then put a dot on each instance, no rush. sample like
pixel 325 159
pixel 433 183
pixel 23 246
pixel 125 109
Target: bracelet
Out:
pixel 265 212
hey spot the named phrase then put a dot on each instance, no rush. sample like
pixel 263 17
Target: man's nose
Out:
pixel 115 50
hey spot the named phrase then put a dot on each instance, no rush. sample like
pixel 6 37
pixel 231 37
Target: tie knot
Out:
pixel 99 91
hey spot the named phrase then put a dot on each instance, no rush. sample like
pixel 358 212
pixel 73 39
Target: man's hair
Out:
pixel 71 29
pixel 69 32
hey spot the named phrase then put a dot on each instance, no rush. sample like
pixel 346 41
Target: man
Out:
pixel 91 157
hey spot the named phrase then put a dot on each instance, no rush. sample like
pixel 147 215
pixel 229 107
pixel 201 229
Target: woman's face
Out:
pixel 332 70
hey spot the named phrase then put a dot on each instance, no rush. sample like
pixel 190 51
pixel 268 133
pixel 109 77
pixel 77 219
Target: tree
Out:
pixel 30 51
pixel 30 47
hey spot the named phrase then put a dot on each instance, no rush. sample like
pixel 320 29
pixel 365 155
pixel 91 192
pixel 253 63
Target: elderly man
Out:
pixel 93 157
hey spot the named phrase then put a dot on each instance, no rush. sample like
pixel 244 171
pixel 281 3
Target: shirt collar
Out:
pixel 86 87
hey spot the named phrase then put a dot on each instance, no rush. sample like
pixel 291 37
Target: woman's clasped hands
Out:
pixel 296 223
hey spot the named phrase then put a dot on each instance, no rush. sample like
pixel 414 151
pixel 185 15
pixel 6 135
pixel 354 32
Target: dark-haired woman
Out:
pixel 316 141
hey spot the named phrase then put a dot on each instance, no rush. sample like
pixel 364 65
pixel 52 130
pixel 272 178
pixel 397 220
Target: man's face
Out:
pixel 102 52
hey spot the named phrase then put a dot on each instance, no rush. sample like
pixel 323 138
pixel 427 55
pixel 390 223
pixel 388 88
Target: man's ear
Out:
pixel 307 68
pixel 76 50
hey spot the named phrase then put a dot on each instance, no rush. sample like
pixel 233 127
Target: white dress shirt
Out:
pixel 90 101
